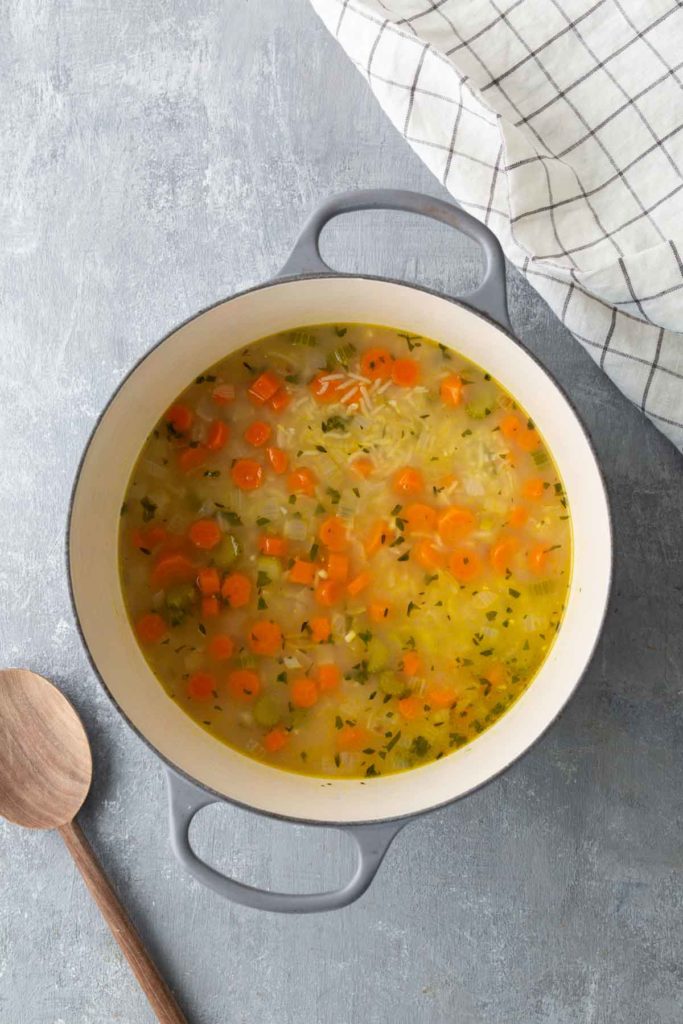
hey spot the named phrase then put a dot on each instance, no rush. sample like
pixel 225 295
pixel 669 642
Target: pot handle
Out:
pixel 489 298
pixel 372 842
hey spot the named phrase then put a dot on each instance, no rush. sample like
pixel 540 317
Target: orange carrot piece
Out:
pixel 244 685
pixel 270 544
pixel 428 555
pixel 408 481
pixel 264 387
pixel 378 612
pixel 278 460
pixel 301 481
pixel 420 518
pixel 151 628
pixel 524 436
pixel 337 567
pixel 376 363
pixel 275 740
pixel 451 390
pixel 411 663
pixel 201 686
pixel 352 737
pixel 329 678
pixel 217 436
pixel 210 607
pixel 265 637
pixel 209 581
pixel 236 589
pixel 247 474
pixel 533 488
pixel 405 372
pixel 329 592
pixel 170 568
pixel 149 537
pixel 362 466
pixel 280 400
pixel 537 559
pixel 518 515
pixel 192 458
pixel 359 583
pixel 205 534
pixel 455 523
pixel 502 554
pixel 332 532
pixel 465 564
pixel 221 647
pixel 257 433
pixel 180 417
pixel 327 391
pixel 302 572
pixel 303 692
pixel 379 535
pixel 440 697
pixel 410 708
pixel 223 394
pixel 496 674
pixel 321 628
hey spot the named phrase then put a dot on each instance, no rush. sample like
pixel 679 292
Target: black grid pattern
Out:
pixel 560 124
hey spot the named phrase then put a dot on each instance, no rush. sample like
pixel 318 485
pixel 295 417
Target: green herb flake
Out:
pixel 148 509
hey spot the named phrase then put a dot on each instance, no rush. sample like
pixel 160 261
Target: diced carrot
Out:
pixel 496 674
pixel 419 518
pixel 210 607
pixel 465 564
pixel 244 685
pixel 321 628
pixel 205 534
pixel 524 436
pixel 171 568
pixel 265 638
pixel 451 390
pixel 410 708
pixel 221 647
pixel 332 532
pixel 264 387
pixel 280 400
pixel 303 692
pixel 327 391
pixel 408 481
pixel 405 372
pixel 151 628
pixel 518 515
pixel 201 686
pixel 257 433
pixel 270 544
pixel 192 458
pixel 528 439
pixel 352 737
pixel 411 663
pixel 180 417
pixel 378 612
pixel 209 581
pixel 222 394
pixel 217 436
pixel 359 583
pixel 362 466
pixel 533 488
pixel 447 480
pixel 502 554
pixel 329 592
pixel 329 677
pixel 455 523
pixel 337 567
pixel 376 363
pixel 247 474
pixel 428 555
pixel 278 460
pixel 301 481
pixel 440 697
pixel 380 535
pixel 275 740
pixel 302 572
pixel 537 559
pixel 236 589
pixel 149 537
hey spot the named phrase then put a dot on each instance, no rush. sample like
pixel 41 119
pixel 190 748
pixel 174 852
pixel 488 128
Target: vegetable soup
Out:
pixel 345 550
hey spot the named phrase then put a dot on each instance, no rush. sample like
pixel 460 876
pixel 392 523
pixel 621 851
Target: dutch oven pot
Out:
pixel 201 769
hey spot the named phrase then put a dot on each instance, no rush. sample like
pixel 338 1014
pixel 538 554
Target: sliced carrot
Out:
pixel 149 537
pixel 380 534
pixel 236 589
pixel 408 481
pixel 205 534
pixel 447 480
pixel 465 564
pixel 270 544
pixel 321 628
pixel 337 567
pixel 537 559
pixel 192 458
pixel 411 663
pixel 301 481
pixel 221 647
pixel 180 417
pixel 455 523
pixel 440 697
pixel 524 436
pixel 376 363
pixel 265 638
pixel 352 737
pixel 210 607
pixel 257 433
pixel 528 439
pixel 405 372
pixel 451 390
pixel 329 592
pixel 217 436
pixel 359 583
pixel 518 515
pixel 502 553
pixel 247 474
pixel 329 678
pixel 410 708
pixel 278 460
pixel 264 387
pixel 275 740
pixel 222 394
pixel 362 466
pixel 171 568
pixel 420 518
pixel 327 391
pixel 303 692
pixel 378 612
pixel 302 572
pixel 243 684
pixel 151 628
pixel 201 686
pixel 280 400
pixel 533 488
pixel 209 581
pixel 332 533
pixel 428 555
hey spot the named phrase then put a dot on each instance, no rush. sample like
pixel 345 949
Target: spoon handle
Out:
pixel 153 985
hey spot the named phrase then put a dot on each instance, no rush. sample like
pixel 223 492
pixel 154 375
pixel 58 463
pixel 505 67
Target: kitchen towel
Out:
pixel 559 123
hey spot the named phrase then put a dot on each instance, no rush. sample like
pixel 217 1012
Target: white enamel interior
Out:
pixel 108 464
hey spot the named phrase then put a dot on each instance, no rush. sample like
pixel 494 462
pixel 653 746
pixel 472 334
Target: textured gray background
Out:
pixel 156 157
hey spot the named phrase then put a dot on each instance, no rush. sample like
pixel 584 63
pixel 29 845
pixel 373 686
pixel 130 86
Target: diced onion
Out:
pixel 295 529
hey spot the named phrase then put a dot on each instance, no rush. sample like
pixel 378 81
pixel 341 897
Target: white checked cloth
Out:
pixel 559 123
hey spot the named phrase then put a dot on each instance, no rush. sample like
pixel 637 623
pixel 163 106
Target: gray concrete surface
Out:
pixel 156 157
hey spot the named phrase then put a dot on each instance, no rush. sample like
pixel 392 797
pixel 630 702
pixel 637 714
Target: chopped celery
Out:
pixel 227 551
pixel 478 410
pixel 181 597
pixel 542 587
pixel 341 356
pixel 247 660
pixel 540 456
pixel 390 683
pixel 266 712
pixel 303 338
pixel 377 655
pixel 269 565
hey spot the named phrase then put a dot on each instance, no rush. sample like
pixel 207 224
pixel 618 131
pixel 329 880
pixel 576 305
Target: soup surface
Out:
pixel 345 550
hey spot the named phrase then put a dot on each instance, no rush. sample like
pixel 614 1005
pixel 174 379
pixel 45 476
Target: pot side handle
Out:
pixel 489 298
pixel 372 842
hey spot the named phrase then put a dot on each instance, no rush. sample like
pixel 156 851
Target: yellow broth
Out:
pixel 345 550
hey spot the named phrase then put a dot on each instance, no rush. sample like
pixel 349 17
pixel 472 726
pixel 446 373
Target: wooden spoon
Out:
pixel 45 774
